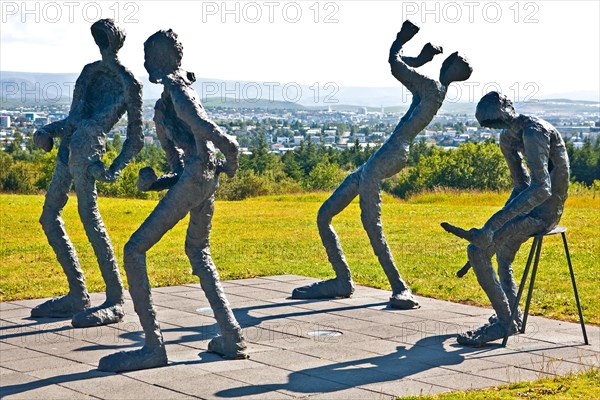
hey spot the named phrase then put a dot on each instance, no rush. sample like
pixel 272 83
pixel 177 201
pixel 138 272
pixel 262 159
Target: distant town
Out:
pixel 285 129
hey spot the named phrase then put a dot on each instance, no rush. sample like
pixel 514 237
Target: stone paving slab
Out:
pixel 381 352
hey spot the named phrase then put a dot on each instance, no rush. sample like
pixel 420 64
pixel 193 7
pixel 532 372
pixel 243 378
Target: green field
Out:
pixel 278 235
pixel 573 386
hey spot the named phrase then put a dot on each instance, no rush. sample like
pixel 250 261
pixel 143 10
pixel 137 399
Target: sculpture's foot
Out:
pixel 60 307
pixel 461 233
pixel 518 320
pixel 104 314
pixel 485 333
pixel 230 347
pixel 329 289
pixel 133 360
pixel 480 238
pixel 407 32
pixel 404 300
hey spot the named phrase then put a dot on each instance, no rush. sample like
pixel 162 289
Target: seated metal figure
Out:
pixel 105 90
pixel 534 207
pixel 390 158
pixel 189 138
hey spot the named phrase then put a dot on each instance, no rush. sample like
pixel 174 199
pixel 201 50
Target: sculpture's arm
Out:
pixel 78 100
pixel 189 110
pixel 135 135
pixel 173 153
pixel 427 53
pixel 537 153
pixel 408 76
pixel 514 159
pixel 56 128
pixel 401 70
pixel 147 179
pixel 43 137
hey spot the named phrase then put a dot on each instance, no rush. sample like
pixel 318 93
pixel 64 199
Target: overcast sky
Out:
pixel 533 47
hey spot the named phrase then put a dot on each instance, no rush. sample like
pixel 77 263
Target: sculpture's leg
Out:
pixel 54 227
pixel 111 311
pixel 170 210
pixel 481 262
pixel 370 207
pixel 230 344
pixel 341 285
pixel 510 238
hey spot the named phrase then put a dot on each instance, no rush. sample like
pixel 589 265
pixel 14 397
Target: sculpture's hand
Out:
pixel 113 173
pixel 430 50
pixel 146 177
pixel 43 139
pixel 220 165
pixel 407 32
pixel 99 172
pixel 227 166
pixel 463 271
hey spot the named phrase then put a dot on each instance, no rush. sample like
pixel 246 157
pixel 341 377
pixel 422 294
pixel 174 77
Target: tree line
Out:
pixel 311 167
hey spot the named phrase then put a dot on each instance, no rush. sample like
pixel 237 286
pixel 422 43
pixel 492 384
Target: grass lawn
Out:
pixel 574 386
pixel 278 235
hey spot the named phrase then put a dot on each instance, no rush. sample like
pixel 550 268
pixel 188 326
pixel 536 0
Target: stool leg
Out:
pixel 585 338
pixel 531 283
pixel 515 306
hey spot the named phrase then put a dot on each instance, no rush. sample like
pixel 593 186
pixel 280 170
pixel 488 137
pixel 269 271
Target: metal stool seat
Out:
pixel 536 247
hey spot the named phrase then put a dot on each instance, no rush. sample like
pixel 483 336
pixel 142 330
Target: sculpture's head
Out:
pixel 495 110
pixel 162 55
pixel 108 36
pixel 455 68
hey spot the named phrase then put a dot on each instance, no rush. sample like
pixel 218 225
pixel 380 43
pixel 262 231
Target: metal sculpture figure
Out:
pixel 366 181
pixel 105 90
pixel 534 207
pixel 189 138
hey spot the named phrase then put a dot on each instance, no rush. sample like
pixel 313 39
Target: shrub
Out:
pixel 324 176
pixel 471 166
pixel 247 184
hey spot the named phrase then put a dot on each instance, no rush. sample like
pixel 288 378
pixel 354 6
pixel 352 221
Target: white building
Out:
pixel 4 121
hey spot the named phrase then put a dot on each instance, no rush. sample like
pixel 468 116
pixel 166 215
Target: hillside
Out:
pixel 28 88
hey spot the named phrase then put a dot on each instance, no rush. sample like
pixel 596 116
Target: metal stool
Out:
pixel 537 247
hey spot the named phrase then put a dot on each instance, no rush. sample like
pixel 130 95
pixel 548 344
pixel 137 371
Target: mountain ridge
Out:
pixel 41 88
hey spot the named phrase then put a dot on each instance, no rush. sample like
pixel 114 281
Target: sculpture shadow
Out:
pixel 202 332
pixel 242 314
pixel 402 363
pixel 51 326
pixel 425 354
pixel 19 388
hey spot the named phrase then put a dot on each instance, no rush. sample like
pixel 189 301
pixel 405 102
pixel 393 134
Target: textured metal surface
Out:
pixel 189 139
pixel 390 158
pixel 105 90
pixel 533 208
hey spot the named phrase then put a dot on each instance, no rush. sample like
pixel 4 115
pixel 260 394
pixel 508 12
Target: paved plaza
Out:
pixel 356 348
